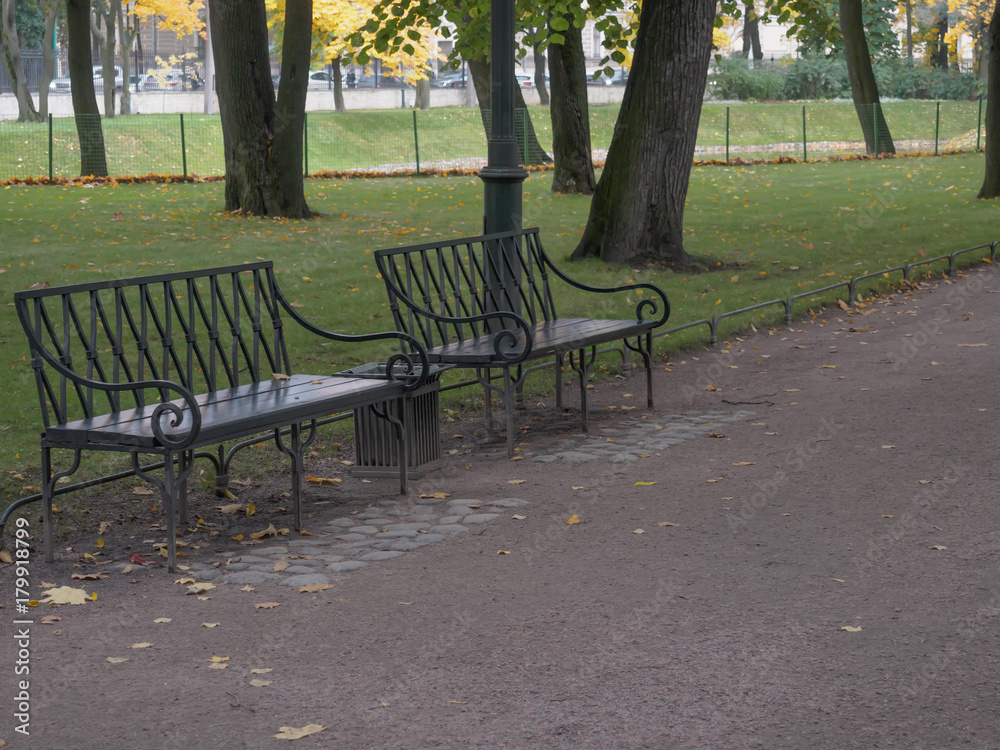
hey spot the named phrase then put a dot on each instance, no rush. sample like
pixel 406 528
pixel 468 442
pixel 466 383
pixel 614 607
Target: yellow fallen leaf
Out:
pixel 251 509
pixel 5 556
pixel 103 527
pixel 840 580
pixel 144 644
pixel 280 566
pixel 938 546
pixel 972 344
pixel 744 463
pixel 218 659
pixel 260 683
pixel 502 552
pixel 888 447
pixel 573 519
pixel 269 531
pixel 280 376
pixel 324 480
pixel 49 619
pixel 887 516
pixel 311 587
pixel 141 491
pixel 851 629
pixel 643 484
pixel 438 495
pixel 261 670
pixel 218 666
pixel 293 733
pixel 100 575
pixel 200 588
pixel 117 659
pixel 639 531
pixel 667 523
pixel 517 458
pixel 64 595
pixel 238 538
pixel 100 543
pixel 579 487
pixel 933 364
pixel 127 569
pixel 231 508
pixel 186 580
pixel 829 367
pixel 518 517
pixel 248 587
pixel 267 605
pixel 515 481
pixel 162 620
pixel 210 624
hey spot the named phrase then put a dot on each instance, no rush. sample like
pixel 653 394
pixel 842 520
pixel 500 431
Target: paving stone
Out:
pixel 576 457
pixel 292 570
pixel 544 459
pixel 430 500
pixel 352 537
pixel 305 551
pixel 236 566
pixel 398 513
pixel 388 503
pixel 305 580
pixel 346 566
pixel 400 534
pixel 198 566
pixel 302 543
pixel 611 431
pixel 508 502
pixel 447 520
pixel 460 510
pixel 480 517
pixel 383 543
pixel 405 545
pixel 207 575
pixel 416 526
pixel 352 546
pixel 448 529
pixel 379 555
pixel 424 510
pixel 251 559
pixel 277 550
pixel 332 558
pixel 342 522
pixel 623 458
pixel 366 529
pixel 378 523
pixel 251 576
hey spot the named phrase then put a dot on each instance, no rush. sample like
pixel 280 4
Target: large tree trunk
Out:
pixel 128 39
pixel 422 95
pixel 637 213
pixel 543 91
pixel 12 58
pixel 991 180
pixel 909 32
pixel 49 59
pixel 864 88
pixel 939 47
pixel 93 160
pixel 751 33
pixel 262 142
pixel 574 166
pixel 106 41
pixel 528 146
pixel 338 86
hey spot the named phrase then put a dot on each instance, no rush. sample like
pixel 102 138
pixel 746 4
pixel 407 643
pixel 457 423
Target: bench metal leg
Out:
pixel 583 370
pixel 508 407
pixel 402 428
pixel 519 388
pixel 559 377
pixel 296 450
pixel 49 481
pixel 173 479
pixel 185 461
pixel 644 347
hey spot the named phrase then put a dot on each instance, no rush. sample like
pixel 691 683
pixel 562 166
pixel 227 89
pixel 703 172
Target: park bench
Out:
pixel 169 363
pixel 486 303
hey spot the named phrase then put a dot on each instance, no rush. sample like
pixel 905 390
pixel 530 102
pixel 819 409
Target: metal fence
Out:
pixel 392 141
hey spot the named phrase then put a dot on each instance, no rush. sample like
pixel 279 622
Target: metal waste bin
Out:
pixel 375 444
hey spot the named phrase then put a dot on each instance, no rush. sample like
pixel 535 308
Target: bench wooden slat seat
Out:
pixel 487 303
pixel 169 363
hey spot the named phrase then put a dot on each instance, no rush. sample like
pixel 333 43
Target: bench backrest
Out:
pixel 466 278
pixel 206 330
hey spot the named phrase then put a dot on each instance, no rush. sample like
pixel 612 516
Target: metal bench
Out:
pixel 170 363
pixel 486 303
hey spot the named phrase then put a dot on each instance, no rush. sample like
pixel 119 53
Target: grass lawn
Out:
pixel 789 227
pixel 145 144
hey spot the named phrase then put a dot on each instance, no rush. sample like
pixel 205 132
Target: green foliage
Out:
pixel 736 78
pixel 30 22
pixel 816 27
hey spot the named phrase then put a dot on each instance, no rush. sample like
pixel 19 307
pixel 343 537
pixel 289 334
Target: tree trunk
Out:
pixel 49 58
pixel 939 48
pixel 527 141
pixel 574 166
pixel 543 91
pixel 93 160
pixel 751 33
pixel 991 179
pixel 12 58
pixel 106 45
pixel 422 96
pixel 637 213
pixel 262 141
pixel 128 39
pixel 864 89
pixel 338 86
pixel 909 32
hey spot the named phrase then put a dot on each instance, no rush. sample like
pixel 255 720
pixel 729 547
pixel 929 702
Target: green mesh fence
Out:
pixel 386 141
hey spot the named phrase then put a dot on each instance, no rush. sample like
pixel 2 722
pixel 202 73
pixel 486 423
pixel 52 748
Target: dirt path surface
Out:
pixel 817 568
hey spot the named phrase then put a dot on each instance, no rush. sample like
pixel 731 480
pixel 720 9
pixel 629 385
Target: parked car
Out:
pixel 453 79
pixel 320 79
pixel 527 80
pixel 61 85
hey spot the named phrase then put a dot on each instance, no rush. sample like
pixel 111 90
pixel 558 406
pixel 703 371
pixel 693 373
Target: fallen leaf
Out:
pixel 231 509
pixel 200 588
pixel 5 556
pixel 667 523
pixel 851 629
pixel 888 447
pixel 117 659
pixel 100 575
pixel 972 344
pixel 840 580
pixel 127 569
pixel 716 435
pixel 933 364
pixel 103 527
pixel 744 463
pixel 248 587
pixel 886 516
pixel 140 560
pixel 280 566
pixel 261 670
pixel 260 683
pixel 324 480
pixel 163 619
pixel 210 624
pixel 518 517
pixel 938 546
pixel 144 644
pixel 293 733
pixel 280 376
pixel 438 495
pixel 843 305
pixel 577 487
pixel 64 595
pixel 218 666
pixel 517 458
pixel 924 481
pixel 639 531
pixel 267 605
pixel 643 484
pixel 573 519
pixel 515 481
pixel 502 552
pixel 829 367
pixel 186 580
pixel 311 587
pixel 218 659
pixel 269 531
pixel 141 491
pixel 49 619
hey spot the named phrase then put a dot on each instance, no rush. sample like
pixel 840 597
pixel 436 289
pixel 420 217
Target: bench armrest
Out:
pixel 178 413
pixel 413 377
pixel 645 307
pixel 505 341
